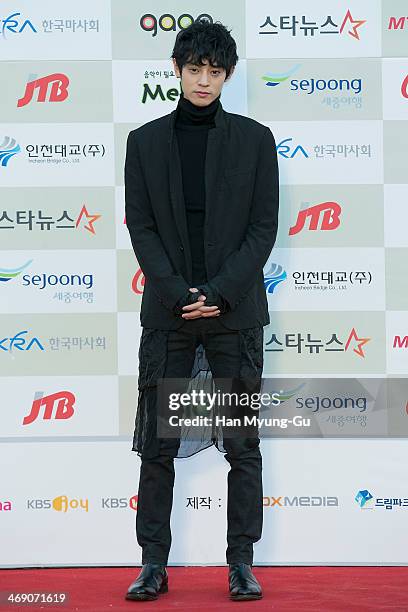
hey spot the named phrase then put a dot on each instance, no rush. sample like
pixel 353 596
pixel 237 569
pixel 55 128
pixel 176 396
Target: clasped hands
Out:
pixel 194 304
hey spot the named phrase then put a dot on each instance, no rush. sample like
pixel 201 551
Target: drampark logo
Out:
pixel 55 86
pixel 59 406
pixel 312 85
pixel 364 499
pixel 8 274
pixel 8 148
pixel 169 23
pixel 275 275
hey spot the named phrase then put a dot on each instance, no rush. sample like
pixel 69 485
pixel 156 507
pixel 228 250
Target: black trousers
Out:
pixel 245 495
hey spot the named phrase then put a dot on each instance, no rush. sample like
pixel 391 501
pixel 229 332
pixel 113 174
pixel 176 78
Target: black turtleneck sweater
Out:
pixel 192 125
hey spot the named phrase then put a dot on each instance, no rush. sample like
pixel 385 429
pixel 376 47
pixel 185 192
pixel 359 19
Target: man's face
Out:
pixel 201 84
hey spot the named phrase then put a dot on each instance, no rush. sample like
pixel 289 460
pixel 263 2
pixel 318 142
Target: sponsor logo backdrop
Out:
pixel 331 81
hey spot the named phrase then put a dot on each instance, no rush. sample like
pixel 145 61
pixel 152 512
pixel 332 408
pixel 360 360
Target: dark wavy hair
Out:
pixel 203 40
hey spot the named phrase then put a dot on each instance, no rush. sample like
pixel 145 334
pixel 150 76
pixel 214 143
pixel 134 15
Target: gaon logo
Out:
pixel 329 211
pixel 59 89
pixel 62 401
pixel 312 85
pixel 8 274
pixel 8 148
pixel 285 150
pixel 12 25
pixel 275 275
pixel 168 22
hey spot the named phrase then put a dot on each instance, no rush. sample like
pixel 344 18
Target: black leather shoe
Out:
pixel 242 583
pixel 152 580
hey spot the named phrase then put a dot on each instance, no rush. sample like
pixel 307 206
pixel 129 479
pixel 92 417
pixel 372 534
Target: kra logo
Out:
pixel 138 282
pixel 63 402
pixel 167 22
pixel 284 149
pixel 404 88
pixel 19 342
pixel 12 25
pixel 330 212
pixel 59 89
pixel 8 148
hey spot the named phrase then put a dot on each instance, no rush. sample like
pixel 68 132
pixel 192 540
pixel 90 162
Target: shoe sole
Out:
pixel 145 596
pixel 247 597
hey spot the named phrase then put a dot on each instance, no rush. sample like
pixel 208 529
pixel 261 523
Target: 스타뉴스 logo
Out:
pixel 57 82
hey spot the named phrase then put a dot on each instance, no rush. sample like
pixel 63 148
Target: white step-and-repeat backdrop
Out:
pixel 331 81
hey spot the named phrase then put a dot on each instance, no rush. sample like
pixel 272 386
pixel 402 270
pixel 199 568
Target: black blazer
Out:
pixel 241 218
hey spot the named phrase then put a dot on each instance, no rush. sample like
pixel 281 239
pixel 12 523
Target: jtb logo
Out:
pixel 59 89
pixel 331 213
pixel 63 400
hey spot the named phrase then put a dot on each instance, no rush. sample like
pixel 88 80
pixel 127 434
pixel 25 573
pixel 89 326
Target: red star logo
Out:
pixel 357 23
pixel 91 220
pixel 360 342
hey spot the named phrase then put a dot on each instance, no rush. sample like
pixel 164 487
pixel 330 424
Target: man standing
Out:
pixel 202 202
